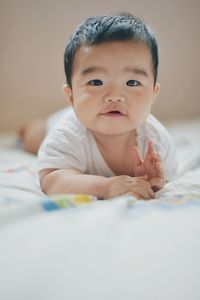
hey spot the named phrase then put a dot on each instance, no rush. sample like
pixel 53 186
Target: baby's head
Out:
pixel 109 28
pixel 111 69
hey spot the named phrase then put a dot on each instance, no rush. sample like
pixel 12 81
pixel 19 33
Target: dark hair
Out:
pixel 107 28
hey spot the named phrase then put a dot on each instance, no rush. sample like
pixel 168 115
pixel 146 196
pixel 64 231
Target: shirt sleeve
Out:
pixel 61 150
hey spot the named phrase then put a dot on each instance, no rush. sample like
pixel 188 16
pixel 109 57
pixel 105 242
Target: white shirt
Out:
pixel 69 144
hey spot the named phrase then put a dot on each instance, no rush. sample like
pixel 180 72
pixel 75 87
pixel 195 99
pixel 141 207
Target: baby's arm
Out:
pixel 72 181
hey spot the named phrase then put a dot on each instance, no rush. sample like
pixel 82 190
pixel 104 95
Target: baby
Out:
pixel 108 144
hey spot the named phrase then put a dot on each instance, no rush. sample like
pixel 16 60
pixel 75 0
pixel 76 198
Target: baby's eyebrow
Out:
pixel 93 70
pixel 136 70
pixel 129 69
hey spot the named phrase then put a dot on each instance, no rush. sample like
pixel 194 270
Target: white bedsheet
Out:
pixel 108 250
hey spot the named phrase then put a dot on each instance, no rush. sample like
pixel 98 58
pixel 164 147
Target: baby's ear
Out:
pixel 156 91
pixel 68 93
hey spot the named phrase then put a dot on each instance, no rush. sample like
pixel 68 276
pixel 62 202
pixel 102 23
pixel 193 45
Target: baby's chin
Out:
pixel 111 126
pixel 112 132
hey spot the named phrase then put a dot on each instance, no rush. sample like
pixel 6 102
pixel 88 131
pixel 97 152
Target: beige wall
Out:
pixel 33 38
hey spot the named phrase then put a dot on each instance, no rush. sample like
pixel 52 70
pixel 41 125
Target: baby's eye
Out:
pixel 95 82
pixel 132 83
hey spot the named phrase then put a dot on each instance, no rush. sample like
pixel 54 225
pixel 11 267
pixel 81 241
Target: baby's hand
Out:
pixel 150 166
pixel 138 187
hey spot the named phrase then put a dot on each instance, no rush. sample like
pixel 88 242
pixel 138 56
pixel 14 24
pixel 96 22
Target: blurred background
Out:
pixel 33 40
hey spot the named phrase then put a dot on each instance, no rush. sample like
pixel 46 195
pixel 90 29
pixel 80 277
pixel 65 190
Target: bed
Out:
pixel 108 250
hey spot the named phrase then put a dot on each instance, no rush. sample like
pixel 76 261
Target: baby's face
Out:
pixel 113 86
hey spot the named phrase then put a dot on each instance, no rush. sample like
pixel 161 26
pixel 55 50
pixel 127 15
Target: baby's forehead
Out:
pixel 109 57
pixel 112 48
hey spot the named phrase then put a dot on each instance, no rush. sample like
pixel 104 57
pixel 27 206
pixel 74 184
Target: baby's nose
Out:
pixel 114 98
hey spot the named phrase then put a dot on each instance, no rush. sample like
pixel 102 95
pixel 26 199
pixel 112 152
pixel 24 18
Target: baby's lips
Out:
pixel 114 109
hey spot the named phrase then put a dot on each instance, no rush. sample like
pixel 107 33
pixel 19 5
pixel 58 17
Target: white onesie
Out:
pixel 69 144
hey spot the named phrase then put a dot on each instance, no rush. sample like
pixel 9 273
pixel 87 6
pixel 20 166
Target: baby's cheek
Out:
pixel 138 92
pixel 80 98
pixel 142 92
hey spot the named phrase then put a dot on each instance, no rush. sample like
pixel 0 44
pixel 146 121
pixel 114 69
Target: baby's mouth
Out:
pixel 113 113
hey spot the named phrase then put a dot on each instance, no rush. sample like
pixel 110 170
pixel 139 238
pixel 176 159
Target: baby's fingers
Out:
pixel 150 146
pixel 151 155
pixel 144 190
pixel 146 195
pixel 150 149
pixel 156 157
pixel 137 157
pixel 159 169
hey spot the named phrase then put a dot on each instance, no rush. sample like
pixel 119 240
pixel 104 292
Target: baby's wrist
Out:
pixel 107 188
pixel 103 188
